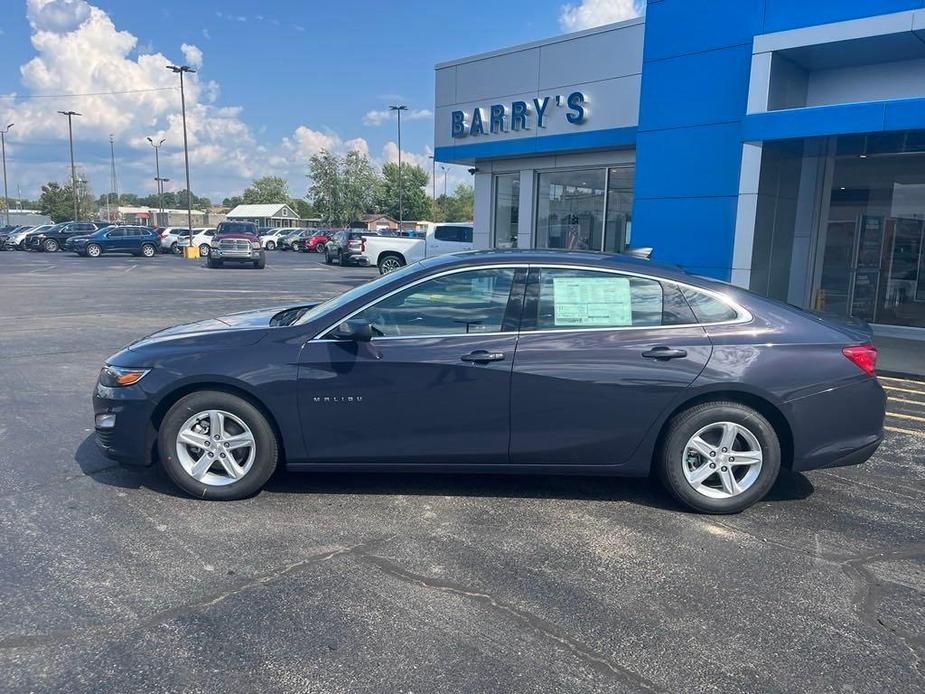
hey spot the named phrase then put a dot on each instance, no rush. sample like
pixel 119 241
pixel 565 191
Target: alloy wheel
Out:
pixel 93 250
pixel 722 460
pixel 147 251
pixel 204 249
pixel 216 447
pixel 389 265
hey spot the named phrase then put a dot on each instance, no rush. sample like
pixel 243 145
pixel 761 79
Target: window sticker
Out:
pixel 592 301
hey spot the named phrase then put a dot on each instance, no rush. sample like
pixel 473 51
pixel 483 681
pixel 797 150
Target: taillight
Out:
pixel 864 356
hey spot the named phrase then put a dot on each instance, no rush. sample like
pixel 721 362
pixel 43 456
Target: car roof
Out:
pixel 610 261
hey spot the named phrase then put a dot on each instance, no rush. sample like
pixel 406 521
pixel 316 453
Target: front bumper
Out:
pixel 244 256
pixel 128 436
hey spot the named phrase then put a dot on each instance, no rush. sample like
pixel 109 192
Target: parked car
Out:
pixel 136 240
pixel 202 238
pixel 288 242
pixel 315 242
pixel 269 239
pixel 346 247
pixel 18 236
pixel 53 239
pixel 514 361
pixel 236 242
pixel 391 253
pixel 11 235
pixel 170 237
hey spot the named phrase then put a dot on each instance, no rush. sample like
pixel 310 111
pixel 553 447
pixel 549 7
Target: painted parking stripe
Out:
pixel 900 380
pixel 905 431
pixel 904 390
pixel 905 416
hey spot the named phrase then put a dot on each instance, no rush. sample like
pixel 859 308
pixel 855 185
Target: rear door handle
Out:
pixel 482 356
pixel 663 353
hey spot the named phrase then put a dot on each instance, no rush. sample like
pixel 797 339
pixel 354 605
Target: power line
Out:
pixel 68 96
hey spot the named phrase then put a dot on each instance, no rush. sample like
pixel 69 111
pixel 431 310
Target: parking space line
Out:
pixel 905 431
pixel 908 402
pixel 905 390
pixel 897 380
pixel 905 416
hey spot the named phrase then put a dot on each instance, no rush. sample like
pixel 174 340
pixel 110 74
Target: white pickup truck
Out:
pixel 389 253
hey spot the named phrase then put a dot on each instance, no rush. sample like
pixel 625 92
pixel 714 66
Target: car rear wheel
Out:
pixel 271 246
pixel 94 250
pixel 50 245
pixel 389 263
pixel 215 445
pixel 327 259
pixel 319 248
pixel 719 457
pixel 213 263
pixel 148 250
pixel 175 248
pixel 204 249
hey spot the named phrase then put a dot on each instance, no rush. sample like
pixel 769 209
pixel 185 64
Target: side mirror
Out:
pixel 353 330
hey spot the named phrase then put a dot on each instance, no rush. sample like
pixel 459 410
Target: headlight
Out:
pixel 255 245
pixel 116 377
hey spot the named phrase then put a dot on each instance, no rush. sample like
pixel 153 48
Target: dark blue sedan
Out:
pixel 135 240
pixel 530 361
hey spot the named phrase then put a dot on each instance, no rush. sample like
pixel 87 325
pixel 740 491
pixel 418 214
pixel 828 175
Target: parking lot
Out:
pixel 110 580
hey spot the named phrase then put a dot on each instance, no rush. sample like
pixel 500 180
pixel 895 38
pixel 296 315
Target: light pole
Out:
pixel 157 178
pixel 433 177
pixel 70 135
pixel 401 212
pixel 443 169
pixel 179 70
pixel 6 195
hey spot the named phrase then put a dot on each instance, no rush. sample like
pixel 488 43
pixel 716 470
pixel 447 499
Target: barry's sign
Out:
pixel 499 118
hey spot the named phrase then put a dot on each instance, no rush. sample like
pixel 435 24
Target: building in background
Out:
pixel 271 215
pixel 146 216
pixel 375 222
pixel 23 217
pixel 776 144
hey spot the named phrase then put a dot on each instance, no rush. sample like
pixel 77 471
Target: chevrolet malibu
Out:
pixel 503 361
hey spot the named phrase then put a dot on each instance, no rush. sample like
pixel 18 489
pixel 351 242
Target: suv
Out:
pixel 316 242
pixel 53 239
pixel 236 242
pixel 137 240
pixel 347 246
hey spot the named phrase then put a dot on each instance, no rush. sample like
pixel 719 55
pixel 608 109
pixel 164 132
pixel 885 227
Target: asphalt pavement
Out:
pixel 112 581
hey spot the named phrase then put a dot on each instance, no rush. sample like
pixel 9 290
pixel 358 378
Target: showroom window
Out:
pixel 584 209
pixel 507 206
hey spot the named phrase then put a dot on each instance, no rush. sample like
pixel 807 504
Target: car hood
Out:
pixel 235 329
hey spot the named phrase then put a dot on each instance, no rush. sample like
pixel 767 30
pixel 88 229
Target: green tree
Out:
pixel 415 202
pixel 268 189
pixel 460 205
pixel 325 190
pixel 55 201
pixel 361 185
pixel 232 201
pixel 302 208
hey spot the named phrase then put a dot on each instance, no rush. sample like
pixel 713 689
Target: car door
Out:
pixel 114 240
pixel 433 385
pixel 601 356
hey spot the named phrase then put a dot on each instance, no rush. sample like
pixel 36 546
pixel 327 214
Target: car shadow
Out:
pixel 643 491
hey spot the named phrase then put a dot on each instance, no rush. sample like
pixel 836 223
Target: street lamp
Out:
pixel 157 177
pixel 401 212
pixel 6 195
pixel 444 170
pixel 70 135
pixel 433 177
pixel 179 70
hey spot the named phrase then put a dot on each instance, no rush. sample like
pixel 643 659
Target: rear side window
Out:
pixel 453 233
pixel 709 309
pixel 568 299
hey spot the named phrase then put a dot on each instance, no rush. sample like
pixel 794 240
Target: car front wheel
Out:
pixel 94 250
pixel 50 245
pixel 204 249
pixel 215 445
pixel 148 250
pixel 719 457
pixel 271 246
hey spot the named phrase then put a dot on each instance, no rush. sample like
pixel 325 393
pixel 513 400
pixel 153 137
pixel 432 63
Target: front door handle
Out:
pixel 663 353
pixel 481 356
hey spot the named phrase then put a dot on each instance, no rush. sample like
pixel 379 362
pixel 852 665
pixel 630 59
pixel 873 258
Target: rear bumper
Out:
pixel 837 427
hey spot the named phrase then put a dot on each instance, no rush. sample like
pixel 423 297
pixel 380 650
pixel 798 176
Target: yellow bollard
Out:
pixel 191 253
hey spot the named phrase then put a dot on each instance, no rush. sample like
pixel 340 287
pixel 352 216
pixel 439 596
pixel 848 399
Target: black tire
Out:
pixel 266 454
pixel 175 248
pixel 148 250
pixel 271 246
pixel 94 250
pixel 50 245
pixel 390 262
pixel 327 259
pixel 260 264
pixel 204 249
pixel 213 263
pixel 669 459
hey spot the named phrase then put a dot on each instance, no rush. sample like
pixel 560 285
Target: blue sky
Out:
pixel 278 80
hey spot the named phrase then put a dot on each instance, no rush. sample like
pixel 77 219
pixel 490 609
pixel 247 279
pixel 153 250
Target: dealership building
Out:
pixel 776 144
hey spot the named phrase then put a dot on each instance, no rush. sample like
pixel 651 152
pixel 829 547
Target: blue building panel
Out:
pixel 695 89
pixel 695 233
pixel 782 15
pixel 694 26
pixel 702 161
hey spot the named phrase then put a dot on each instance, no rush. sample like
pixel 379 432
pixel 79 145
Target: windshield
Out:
pixel 337 302
pixel 237 228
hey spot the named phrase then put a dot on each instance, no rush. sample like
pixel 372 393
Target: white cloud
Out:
pixel 593 13
pixel 376 118
pixel 206 35
pixel 192 54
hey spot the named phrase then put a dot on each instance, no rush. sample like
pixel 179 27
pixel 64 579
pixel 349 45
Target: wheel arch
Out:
pixel 173 396
pixel 387 254
pixel 763 405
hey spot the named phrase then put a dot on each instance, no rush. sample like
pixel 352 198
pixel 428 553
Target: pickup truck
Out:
pixel 389 253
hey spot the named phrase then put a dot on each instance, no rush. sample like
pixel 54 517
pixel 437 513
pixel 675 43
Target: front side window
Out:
pixel 116 233
pixel 461 303
pixel 569 299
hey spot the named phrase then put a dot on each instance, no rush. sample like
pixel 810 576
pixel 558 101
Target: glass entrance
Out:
pixel 873 255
